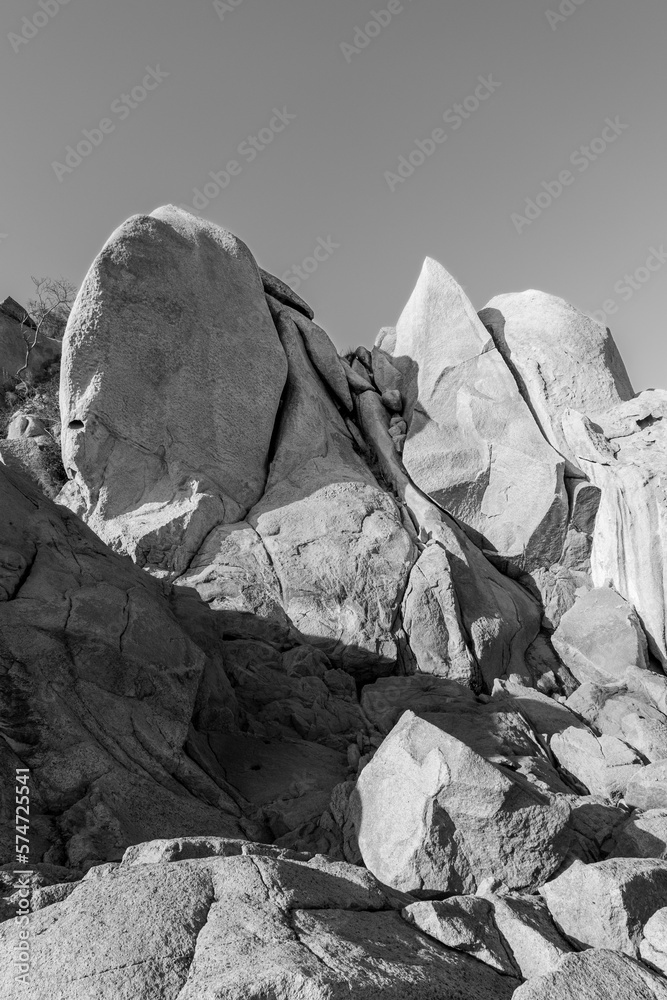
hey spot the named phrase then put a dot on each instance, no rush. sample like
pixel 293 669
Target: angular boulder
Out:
pixel 605 765
pixel 600 637
pixel 464 923
pixel 648 787
pixel 644 835
pixel 461 819
pixel 605 905
pixel 526 930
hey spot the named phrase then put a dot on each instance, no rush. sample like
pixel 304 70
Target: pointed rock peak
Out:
pixel 439 313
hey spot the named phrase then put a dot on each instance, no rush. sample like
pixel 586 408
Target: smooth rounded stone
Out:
pixel 653 949
pixel 464 923
pixel 559 356
pixel 461 819
pixel 526 930
pixel 648 788
pixel 239 926
pixel 393 401
pixel 606 904
pixel 623 451
pixel 600 637
pixel 171 378
pixel 385 701
pixel 644 835
pixel 605 765
pixel 279 290
pixel 473 444
pixel 596 974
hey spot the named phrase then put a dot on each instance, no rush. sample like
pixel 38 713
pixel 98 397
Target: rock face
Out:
pixel 469 428
pixel 623 451
pixel 375 706
pixel 560 358
pixel 160 434
pixel 240 922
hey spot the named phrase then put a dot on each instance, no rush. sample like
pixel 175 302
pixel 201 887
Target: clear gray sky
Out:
pixel 329 175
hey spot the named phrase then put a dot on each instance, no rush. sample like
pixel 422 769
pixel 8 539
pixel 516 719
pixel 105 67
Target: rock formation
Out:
pixel 333 676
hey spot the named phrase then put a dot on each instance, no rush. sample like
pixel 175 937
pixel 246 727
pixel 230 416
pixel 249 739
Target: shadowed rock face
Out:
pixel 332 636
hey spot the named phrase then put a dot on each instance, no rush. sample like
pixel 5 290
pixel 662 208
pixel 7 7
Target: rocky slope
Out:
pixel 334 676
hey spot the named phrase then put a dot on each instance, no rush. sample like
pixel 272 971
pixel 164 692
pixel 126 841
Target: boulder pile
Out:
pixel 334 676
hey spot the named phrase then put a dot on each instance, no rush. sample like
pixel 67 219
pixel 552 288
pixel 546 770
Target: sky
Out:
pixel 340 127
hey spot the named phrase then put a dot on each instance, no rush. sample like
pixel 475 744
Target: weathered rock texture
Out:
pixel 310 643
pixel 469 429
